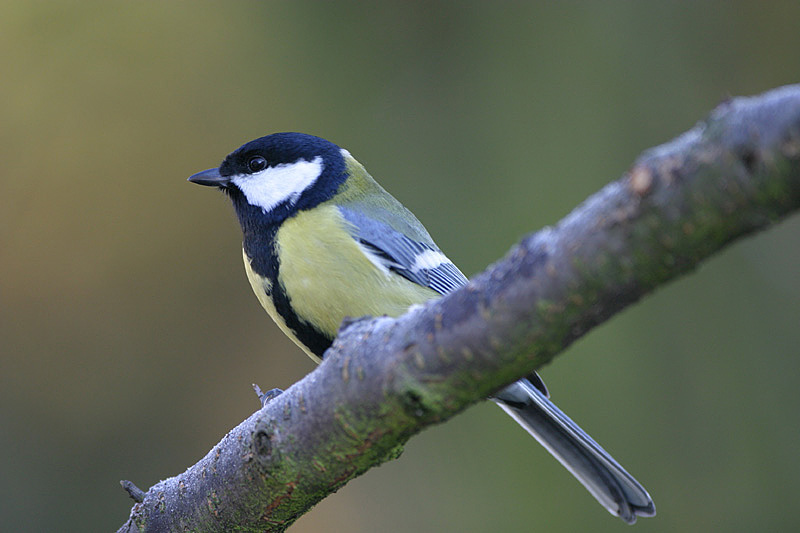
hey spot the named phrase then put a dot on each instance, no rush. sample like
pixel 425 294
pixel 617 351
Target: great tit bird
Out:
pixel 323 241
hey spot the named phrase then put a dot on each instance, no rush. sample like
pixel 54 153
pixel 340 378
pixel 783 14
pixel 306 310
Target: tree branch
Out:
pixel 386 379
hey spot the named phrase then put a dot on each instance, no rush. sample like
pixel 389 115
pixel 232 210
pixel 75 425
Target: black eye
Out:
pixel 257 163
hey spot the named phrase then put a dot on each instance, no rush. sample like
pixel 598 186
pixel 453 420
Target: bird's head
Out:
pixel 271 178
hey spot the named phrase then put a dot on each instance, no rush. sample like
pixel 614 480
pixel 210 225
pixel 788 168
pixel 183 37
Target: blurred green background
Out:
pixel 130 337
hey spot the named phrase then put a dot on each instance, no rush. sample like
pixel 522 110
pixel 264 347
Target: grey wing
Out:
pixel 416 261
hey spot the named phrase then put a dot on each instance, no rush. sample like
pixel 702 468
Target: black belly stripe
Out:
pixel 260 249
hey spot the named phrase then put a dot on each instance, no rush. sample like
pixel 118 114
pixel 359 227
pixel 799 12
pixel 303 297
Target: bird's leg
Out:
pixel 265 397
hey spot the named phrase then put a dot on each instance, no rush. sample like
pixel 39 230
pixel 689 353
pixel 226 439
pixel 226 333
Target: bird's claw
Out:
pixel 265 397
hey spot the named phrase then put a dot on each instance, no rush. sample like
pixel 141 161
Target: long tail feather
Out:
pixel 603 477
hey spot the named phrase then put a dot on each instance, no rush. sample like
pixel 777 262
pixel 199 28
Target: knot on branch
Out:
pixel 261 443
pixel 415 404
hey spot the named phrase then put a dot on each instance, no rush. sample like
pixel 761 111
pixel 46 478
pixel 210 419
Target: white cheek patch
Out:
pixel 428 260
pixel 275 185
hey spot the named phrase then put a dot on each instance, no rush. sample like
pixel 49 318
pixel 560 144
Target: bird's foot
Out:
pixel 265 397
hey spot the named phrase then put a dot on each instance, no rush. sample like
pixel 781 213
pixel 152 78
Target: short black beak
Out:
pixel 210 177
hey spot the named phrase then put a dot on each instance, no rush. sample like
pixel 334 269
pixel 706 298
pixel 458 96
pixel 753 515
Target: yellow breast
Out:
pixel 327 276
pixel 262 287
